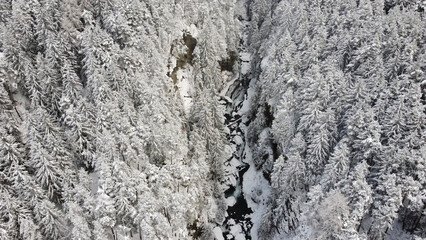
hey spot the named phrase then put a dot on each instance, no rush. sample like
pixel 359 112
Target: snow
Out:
pixel 217 231
pixel 94 183
pixel 193 30
pixel 226 130
pixel 22 103
pixel 228 149
pixel 230 201
pixel 238 140
pixel 239 236
pixel 246 106
pixel 397 233
pixel 231 172
pixel 255 187
pixel 237 191
pixel 185 88
pixel 245 56
pixel 256 190
pixel 245 63
pixel 237 232
pixel 229 79
pixel 264 63
pixel 231 180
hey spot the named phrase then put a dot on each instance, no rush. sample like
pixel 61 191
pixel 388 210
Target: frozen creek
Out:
pixel 247 189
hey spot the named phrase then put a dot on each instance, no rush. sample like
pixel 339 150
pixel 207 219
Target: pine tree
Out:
pixel 20 44
pixel 364 135
pixel 79 205
pixel 337 167
pixel 386 206
pixel 359 195
pixel 287 181
pixel 125 194
pixel 48 155
pixel 330 213
pixel 283 126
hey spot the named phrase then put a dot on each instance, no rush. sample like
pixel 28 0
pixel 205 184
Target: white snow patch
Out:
pixel 226 76
pixel 22 103
pixel 232 172
pixel 226 130
pixel 264 63
pixel 217 231
pixel 231 180
pixel 256 190
pixel 193 30
pixel 245 56
pixel 229 79
pixel 245 68
pixel 237 191
pixel 247 103
pixel 240 236
pixel 235 163
pixel 242 9
pixel 228 149
pixel 237 232
pixel 238 140
pixel 230 201
pixel 185 88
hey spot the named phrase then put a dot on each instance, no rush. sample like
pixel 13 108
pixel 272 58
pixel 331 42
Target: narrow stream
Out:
pixel 238 224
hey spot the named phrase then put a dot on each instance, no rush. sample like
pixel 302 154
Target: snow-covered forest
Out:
pixel 212 119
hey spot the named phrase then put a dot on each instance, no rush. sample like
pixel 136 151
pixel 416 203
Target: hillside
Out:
pixel 243 119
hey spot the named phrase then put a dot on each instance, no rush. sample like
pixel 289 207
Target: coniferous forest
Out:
pixel 212 119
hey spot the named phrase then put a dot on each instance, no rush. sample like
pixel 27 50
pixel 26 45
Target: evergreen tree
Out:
pixel 283 126
pixel 48 155
pixel 364 135
pixel 359 195
pixel 337 167
pixel 386 206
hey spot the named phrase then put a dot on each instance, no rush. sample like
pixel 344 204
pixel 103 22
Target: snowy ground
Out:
pixel 185 87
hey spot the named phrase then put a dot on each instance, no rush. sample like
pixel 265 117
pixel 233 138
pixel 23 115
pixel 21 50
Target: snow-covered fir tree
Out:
pixel 123 119
pixel 352 74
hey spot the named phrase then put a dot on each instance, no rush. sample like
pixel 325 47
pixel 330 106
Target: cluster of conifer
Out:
pixel 94 139
pixel 339 94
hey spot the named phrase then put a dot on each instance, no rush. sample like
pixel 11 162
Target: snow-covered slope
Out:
pixel 239 119
pixel 111 125
pixel 337 117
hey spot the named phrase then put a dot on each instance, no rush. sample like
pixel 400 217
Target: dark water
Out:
pixel 238 214
pixel 240 210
